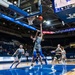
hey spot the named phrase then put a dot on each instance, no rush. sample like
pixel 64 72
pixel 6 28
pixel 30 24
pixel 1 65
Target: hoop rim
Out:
pixel 30 20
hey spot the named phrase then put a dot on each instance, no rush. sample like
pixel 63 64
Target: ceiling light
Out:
pixel 37 16
pixel 3 22
pixel 18 28
pixel 28 10
pixel 48 22
pixel 15 2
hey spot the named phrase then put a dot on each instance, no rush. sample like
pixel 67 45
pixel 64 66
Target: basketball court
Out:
pixel 23 68
pixel 30 10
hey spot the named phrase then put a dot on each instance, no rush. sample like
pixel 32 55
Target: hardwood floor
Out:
pixel 70 72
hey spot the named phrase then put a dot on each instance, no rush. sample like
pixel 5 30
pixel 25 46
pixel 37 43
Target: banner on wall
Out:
pixel 9 59
pixel 65 10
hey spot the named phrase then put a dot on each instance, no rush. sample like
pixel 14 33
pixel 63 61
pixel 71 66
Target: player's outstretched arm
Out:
pixel 15 52
pixel 41 30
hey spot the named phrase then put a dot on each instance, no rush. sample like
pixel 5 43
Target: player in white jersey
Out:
pixel 37 51
pixel 18 56
pixel 63 60
pixel 63 53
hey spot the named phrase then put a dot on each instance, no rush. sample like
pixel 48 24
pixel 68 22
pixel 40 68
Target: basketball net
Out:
pixel 30 20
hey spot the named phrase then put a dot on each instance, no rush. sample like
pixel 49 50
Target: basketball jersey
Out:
pixel 20 51
pixel 63 53
pixel 58 51
pixel 38 42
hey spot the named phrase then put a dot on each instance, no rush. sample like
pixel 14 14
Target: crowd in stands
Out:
pixel 7 49
pixel 9 44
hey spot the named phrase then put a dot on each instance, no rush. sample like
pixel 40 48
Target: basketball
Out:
pixel 40 18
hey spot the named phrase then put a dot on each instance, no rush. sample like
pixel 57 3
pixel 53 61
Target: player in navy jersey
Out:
pixel 57 55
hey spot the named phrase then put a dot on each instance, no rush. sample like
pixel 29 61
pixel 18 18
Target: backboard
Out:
pixel 30 6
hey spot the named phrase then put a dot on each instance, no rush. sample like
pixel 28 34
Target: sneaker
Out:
pixel 31 67
pixel 41 66
pixel 52 67
pixel 10 67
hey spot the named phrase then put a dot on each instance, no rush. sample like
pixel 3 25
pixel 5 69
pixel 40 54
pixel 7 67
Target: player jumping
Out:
pixel 37 52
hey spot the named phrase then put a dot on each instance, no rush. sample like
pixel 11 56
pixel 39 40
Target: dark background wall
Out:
pixel 9 43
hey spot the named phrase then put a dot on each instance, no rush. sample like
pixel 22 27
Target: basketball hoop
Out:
pixel 30 20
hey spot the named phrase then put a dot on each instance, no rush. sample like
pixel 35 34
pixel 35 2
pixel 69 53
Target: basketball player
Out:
pixel 37 52
pixel 19 53
pixel 57 55
pixel 63 53
pixel 63 59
